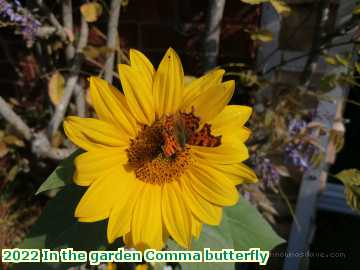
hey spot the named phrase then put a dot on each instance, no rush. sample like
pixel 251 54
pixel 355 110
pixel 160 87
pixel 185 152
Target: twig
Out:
pixel 100 65
pixel 43 149
pixel 11 117
pixel 71 82
pixel 59 28
pixel 40 144
pixel 111 38
pixel 211 41
pixel 288 204
pixel 68 24
pixel 80 101
pixel 84 33
pixel 313 58
pixel 296 58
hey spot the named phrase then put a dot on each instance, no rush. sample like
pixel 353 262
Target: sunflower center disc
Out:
pixel 157 154
pixel 161 153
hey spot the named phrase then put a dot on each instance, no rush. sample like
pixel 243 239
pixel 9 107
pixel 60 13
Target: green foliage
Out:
pixel 280 6
pixel 62 175
pixel 351 181
pixel 242 228
pixel 356 10
pixel 57 228
pixel 249 229
pixel 262 35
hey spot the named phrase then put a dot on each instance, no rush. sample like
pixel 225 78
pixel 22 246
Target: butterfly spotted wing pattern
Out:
pixel 171 141
pixel 182 129
pixel 204 137
pixel 190 123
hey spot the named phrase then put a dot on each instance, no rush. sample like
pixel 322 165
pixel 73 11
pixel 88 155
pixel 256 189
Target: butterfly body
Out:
pixel 182 129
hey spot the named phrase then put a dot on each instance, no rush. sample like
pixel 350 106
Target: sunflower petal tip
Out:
pixel 133 53
pixel 94 79
pixel 220 71
pixel 231 83
pixel 76 213
pixel 170 51
pixel 123 67
pixel 110 237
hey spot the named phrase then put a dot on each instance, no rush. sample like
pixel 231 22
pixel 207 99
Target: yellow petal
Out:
pixel 121 215
pixel 110 105
pixel 205 211
pixel 233 133
pixel 100 197
pixel 231 116
pixel 146 225
pixel 213 185
pixel 238 173
pixel 168 84
pixel 138 95
pixel 201 85
pixel 228 152
pixel 92 165
pixel 139 61
pixel 92 134
pixel 128 240
pixel 229 123
pixel 210 103
pixel 176 215
pixel 196 227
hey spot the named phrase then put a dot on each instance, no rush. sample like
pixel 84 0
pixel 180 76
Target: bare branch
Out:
pixel 54 21
pixel 84 33
pixel 80 101
pixel 111 38
pixel 11 117
pixel 43 149
pixel 40 144
pixel 211 41
pixel 68 24
pixel 71 82
pixel 101 66
pixel 312 60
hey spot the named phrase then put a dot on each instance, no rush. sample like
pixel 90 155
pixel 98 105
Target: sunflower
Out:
pixel 163 158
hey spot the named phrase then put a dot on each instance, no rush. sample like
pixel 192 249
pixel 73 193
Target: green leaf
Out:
pixel 356 10
pixel 249 229
pixel 262 35
pixel 254 2
pixel 281 7
pixel 242 228
pixel 213 237
pixel 62 175
pixel 357 67
pixel 330 60
pixel 350 177
pixel 342 60
pixel 57 228
pixel 351 180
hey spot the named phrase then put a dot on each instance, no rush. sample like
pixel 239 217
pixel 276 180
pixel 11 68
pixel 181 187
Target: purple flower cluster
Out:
pixel 296 126
pixel 21 17
pixel 300 154
pixel 266 171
